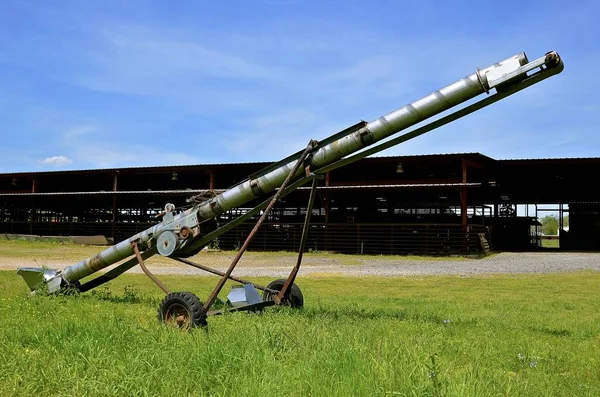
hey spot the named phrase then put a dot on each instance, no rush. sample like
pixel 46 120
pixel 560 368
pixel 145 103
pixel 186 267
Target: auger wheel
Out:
pixel 292 299
pixel 183 310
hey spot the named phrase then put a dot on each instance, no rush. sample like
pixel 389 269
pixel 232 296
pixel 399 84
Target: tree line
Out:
pixel 550 224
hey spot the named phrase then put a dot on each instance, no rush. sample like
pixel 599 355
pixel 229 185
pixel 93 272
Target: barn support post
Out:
pixel 211 180
pixel 114 203
pixel 327 207
pixel 463 207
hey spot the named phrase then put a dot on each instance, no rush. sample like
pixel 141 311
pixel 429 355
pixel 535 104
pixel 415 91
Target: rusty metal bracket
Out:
pixel 213 296
pixel 145 269
pixel 307 171
pixel 292 277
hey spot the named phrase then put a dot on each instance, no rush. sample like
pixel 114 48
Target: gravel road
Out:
pixel 502 263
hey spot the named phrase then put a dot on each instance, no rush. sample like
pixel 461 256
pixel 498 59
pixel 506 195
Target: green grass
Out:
pixel 526 335
pixel 54 249
pixel 550 243
pixel 51 253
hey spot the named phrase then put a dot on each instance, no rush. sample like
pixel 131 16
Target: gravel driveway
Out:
pixel 279 266
pixel 503 263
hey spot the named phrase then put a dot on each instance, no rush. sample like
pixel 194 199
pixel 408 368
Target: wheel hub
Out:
pixel 178 315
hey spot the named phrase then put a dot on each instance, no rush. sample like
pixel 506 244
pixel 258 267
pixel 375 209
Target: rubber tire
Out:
pixel 294 300
pixel 190 302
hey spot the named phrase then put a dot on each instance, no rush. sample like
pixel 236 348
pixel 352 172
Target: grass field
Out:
pixel 528 335
pixel 53 253
pixel 550 243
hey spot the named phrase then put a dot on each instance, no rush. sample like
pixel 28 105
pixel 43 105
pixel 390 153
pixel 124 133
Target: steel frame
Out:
pixel 278 296
pixel 305 158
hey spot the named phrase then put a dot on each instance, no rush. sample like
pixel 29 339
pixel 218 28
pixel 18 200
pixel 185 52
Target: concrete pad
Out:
pixel 64 239
pixel 90 240
pixel 29 237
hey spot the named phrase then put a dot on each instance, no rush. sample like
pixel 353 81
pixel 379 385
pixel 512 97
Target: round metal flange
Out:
pixel 185 232
pixel 166 243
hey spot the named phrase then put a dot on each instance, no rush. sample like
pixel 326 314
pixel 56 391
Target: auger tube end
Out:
pixel 36 278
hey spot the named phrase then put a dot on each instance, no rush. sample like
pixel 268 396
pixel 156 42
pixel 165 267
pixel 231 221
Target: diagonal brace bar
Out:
pixel 213 296
pixel 292 277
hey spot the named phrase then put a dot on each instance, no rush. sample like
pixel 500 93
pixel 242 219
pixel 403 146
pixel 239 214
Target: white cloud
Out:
pixel 56 161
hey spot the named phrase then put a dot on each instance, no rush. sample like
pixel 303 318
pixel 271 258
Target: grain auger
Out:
pixel 179 236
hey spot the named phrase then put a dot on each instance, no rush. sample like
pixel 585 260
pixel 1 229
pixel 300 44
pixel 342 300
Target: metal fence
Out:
pixel 420 239
pixel 352 238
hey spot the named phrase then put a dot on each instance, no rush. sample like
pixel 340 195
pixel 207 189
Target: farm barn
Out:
pixel 428 204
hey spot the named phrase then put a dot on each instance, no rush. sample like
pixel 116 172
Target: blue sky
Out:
pixel 114 83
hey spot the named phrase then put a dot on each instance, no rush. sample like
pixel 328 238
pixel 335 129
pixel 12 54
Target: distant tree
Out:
pixel 550 225
pixel 566 221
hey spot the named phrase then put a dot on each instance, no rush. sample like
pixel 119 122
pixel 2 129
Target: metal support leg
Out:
pixel 292 277
pixel 213 296
pixel 145 269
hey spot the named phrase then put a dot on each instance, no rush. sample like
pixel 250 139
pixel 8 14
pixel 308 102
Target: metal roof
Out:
pixel 111 192
pixel 397 186
pixel 541 159
pixel 198 191
pixel 457 154
pixel 257 164
pixel 164 168
pixel 171 168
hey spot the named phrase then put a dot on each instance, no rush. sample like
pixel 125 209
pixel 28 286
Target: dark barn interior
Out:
pixel 427 204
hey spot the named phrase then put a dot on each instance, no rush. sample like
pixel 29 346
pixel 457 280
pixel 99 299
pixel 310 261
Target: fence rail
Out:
pixel 420 239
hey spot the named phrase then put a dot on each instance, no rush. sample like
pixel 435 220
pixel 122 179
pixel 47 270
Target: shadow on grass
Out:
pixel 130 295
pixel 350 314
pixel 550 331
